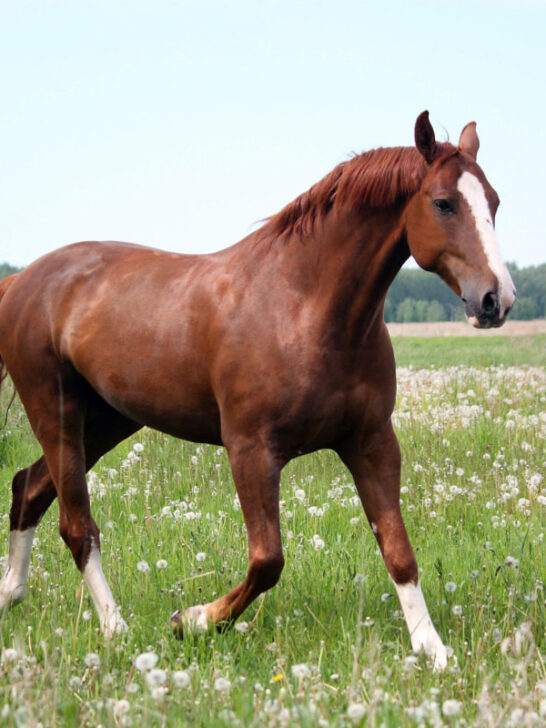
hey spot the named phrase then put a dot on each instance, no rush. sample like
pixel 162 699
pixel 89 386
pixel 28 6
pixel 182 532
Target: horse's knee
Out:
pixel 402 567
pixel 79 536
pixel 266 571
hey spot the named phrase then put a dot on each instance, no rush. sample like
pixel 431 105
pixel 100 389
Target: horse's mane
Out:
pixel 377 178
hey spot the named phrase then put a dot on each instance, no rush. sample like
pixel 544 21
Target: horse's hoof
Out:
pixel 194 620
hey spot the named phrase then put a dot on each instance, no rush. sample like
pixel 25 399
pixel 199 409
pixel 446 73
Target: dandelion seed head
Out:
pixel 181 678
pixel 92 659
pixel 146 661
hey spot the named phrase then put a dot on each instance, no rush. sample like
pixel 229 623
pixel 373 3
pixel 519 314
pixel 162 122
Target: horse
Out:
pixel 273 347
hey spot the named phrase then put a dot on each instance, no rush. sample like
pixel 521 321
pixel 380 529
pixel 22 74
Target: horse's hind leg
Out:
pixel 375 467
pixel 32 493
pixel 256 474
pixel 34 490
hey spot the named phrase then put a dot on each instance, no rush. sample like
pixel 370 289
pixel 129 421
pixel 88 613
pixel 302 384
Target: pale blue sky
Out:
pixel 180 124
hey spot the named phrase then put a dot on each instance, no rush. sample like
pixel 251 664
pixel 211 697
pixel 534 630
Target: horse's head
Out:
pixel 450 226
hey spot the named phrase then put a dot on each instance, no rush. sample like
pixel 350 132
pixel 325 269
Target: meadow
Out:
pixel 328 646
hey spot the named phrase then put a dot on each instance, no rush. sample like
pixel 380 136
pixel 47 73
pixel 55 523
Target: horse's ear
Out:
pixel 468 141
pixel 425 140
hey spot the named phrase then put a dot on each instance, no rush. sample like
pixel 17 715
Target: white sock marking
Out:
pixel 422 632
pixel 195 619
pixel 13 585
pixel 472 190
pixel 110 620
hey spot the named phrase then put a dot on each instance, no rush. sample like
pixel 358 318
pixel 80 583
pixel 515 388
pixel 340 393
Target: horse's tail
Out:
pixel 5 283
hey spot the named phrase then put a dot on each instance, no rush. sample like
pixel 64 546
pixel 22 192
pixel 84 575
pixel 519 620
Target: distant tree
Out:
pixel 405 311
pixel 435 312
pixel 6 270
pixel 526 309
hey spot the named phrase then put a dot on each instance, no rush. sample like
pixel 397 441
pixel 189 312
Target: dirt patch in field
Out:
pixel 461 328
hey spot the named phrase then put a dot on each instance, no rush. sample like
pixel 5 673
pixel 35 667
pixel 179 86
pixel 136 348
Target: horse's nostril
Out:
pixel 490 303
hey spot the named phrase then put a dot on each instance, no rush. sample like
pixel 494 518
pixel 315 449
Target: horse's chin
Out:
pixel 485 323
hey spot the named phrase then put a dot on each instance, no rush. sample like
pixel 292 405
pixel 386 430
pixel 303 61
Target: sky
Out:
pixel 182 124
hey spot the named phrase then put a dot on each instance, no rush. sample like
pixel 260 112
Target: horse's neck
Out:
pixel 349 265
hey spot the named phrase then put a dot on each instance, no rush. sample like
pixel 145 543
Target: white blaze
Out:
pixel 472 190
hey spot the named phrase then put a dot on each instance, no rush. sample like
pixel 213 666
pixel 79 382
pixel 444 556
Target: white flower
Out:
pixel 161 564
pixel 511 561
pixel 10 654
pixel 120 707
pixel 221 684
pixel 143 566
pixel 92 659
pixel 241 626
pixel 301 670
pixel 451 707
pixel 317 542
pixel 86 615
pixel 156 677
pixel 450 587
pixel 457 610
pixel 356 711
pixel 201 556
pixel 181 678
pixel 146 661
pixel 138 447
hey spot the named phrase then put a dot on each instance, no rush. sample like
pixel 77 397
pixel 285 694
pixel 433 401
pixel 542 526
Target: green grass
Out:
pixel 473 500
pixel 470 351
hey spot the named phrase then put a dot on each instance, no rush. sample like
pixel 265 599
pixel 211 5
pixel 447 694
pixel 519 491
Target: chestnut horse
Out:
pixel 274 347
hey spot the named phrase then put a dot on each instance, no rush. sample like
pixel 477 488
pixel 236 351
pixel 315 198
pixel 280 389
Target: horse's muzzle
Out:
pixel 489 310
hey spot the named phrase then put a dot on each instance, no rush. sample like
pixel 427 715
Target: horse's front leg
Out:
pixel 256 474
pixel 375 466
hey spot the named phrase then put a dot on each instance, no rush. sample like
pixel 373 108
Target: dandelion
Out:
pixel 92 659
pixel 356 711
pixel 451 708
pixel 146 661
pixel 143 567
pixel 450 587
pixel 156 677
pixel 301 670
pixel 221 684
pixel 385 597
pixel 161 564
pixel 86 615
pixel 201 556
pixel 10 654
pixel 138 447
pixel 317 542
pixel 120 707
pixel 511 561
pixel 457 610
pixel 181 678
pixel 241 626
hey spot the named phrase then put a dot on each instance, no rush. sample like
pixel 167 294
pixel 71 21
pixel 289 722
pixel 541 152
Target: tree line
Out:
pixel 416 295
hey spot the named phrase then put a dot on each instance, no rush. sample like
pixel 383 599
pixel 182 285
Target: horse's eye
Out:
pixel 443 206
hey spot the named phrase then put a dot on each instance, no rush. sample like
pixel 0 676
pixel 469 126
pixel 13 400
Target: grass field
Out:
pixel 328 645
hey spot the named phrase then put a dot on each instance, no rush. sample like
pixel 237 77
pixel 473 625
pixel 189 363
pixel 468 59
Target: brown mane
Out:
pixel 376 178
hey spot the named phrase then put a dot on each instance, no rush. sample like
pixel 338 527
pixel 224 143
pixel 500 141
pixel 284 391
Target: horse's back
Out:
pixel 131 320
